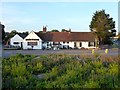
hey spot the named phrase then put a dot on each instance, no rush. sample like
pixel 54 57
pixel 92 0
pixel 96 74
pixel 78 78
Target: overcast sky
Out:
pixel 28 16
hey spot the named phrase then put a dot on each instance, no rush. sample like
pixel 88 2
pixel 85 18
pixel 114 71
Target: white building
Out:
pixel 32 41
pixel 51 40
pixel 16 41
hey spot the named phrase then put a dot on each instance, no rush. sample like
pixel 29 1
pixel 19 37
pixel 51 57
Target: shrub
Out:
pixel 61 71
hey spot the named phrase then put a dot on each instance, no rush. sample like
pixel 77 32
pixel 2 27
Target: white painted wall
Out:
pixel 71 44
pixel 16 38
pixel 65 44
pixel 32 35
pixel 25 45
pixel 85 44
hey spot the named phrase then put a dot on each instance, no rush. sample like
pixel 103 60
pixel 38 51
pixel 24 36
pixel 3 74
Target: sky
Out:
pixel 28 16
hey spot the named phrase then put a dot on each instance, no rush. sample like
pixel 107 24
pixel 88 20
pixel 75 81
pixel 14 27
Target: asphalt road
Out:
pixel 7 53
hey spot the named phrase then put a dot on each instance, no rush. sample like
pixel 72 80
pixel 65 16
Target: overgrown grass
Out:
pixel 60 71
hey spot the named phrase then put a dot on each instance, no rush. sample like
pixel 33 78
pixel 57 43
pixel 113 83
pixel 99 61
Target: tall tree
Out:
pixel 3 33
pixel 102 25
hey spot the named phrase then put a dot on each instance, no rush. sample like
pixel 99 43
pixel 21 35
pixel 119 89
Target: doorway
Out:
pixel 21 45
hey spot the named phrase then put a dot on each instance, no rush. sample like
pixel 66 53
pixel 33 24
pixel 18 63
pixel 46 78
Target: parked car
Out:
pixel 11 47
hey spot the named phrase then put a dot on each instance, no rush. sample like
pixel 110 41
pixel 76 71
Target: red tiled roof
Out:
pixel 82 36
pixel 66 36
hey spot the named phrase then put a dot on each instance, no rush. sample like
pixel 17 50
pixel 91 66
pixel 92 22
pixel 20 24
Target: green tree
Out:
pixel 14 32
pixel 3 33
pixel 102 25
pixel 11 34
pixel 64 30
pixel 54 30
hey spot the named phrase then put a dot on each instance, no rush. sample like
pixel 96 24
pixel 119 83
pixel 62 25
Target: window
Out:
pixel 91 44
pixel 32 43
pixel 74 44
pixel 80 44
pixel 63 42
pixel 32 39
pixel 55 43
pixel 67 42
pixel 47 44
pixel 15 42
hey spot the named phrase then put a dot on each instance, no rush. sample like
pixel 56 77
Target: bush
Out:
pixel 60 71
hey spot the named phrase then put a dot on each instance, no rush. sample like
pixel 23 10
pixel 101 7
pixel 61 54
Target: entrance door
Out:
pixel 21 45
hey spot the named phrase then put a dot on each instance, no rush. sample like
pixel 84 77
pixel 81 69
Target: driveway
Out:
pixel 7 53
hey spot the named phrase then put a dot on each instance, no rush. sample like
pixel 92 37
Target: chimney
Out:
pixel 44 29
pixel 69 30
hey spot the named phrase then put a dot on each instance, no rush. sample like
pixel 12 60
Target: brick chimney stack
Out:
pixel 44 29
pixel 69 29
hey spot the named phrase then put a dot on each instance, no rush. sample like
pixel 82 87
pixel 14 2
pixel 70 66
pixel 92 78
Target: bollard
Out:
pixel 106 51
pixel 93 51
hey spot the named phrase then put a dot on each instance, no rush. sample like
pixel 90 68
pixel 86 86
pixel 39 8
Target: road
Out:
pixel 7 53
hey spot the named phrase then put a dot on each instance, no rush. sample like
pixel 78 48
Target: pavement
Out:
pixel 111 52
